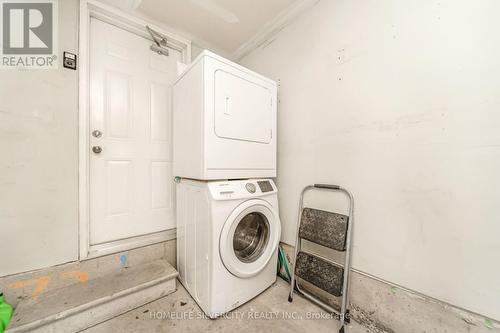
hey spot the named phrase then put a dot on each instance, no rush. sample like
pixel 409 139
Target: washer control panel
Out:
pixel 250 187
pixel 239 189
pixel 265 186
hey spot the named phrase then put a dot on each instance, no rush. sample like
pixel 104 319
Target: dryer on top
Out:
pixel 224 121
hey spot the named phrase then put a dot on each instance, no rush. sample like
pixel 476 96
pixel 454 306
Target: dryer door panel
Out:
pixel 243 109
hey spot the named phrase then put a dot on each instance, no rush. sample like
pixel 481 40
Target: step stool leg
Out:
pixel 292 285
pixel 297 242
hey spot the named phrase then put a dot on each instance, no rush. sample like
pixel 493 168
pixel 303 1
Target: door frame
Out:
pixel 134 24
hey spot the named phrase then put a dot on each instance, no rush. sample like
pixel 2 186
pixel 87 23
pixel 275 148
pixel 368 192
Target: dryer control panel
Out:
pixel 240 189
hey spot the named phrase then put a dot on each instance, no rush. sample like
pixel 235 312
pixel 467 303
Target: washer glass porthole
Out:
pixel 251 237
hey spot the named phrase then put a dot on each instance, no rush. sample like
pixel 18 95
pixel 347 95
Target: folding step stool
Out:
pixel 330 230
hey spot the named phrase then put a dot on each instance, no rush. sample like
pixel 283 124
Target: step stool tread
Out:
pixel 320 273
pixel 325 228
pixel 76 298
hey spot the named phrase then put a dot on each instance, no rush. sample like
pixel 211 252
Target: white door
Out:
pixel 131 192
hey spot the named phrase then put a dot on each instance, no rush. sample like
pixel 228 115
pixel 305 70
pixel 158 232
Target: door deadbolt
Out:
pixel 96 134
pixel 97 149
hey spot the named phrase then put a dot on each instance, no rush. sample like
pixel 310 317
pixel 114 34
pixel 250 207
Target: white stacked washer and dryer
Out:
pixel 228 226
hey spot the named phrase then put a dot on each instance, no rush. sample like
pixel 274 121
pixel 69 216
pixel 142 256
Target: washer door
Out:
pixel 249 238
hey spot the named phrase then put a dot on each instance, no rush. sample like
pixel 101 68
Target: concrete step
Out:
pixel 80 306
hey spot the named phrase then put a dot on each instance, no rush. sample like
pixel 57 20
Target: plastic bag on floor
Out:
pixel 5 313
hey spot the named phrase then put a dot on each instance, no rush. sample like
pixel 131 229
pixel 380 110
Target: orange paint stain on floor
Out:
pixel 81 276
pixel 40 284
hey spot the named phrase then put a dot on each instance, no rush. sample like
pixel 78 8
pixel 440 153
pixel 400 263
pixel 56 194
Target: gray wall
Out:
pixel 39 160
pixel 398 101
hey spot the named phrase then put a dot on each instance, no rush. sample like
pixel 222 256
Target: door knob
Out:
pixel 97 149
pixel 97 134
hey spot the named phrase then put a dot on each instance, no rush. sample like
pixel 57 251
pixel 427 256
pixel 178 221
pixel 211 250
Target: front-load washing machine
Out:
pixel 224 121
pixel 227 240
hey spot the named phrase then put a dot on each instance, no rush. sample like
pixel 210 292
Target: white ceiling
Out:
pixel 221 25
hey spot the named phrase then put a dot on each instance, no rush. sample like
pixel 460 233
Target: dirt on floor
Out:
pixel 269 312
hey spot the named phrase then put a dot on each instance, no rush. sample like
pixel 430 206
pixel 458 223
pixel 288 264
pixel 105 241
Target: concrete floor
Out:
pixel 269 312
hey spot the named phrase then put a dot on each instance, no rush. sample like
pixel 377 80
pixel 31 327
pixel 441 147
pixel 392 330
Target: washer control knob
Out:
pixel 250 187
